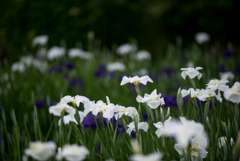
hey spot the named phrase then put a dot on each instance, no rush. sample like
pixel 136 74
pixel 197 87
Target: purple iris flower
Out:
pixel 90 122
pixel 65 75
pixel 145 117
pixel 69 65
pixel 76 82
pixel 170 101
pixel 169 71
pixel 229 53
pixel 237 70
pixel 133 134
pixel 58 68
pixel 101 71
pixel 221 69
pixel 140 86
pixel 112 74
pixel 40 104
pixel 1 107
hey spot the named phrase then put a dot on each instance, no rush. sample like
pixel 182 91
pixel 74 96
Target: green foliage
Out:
pixel 21 122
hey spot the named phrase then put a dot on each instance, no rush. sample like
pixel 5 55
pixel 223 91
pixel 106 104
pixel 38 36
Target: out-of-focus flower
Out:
pixel 233 94
pixel 202 37
pixel 227 75
pixel 229 53
pixel 129 111
pixel 157 156
pixel 190 64
pixel 101 71
pixel 198 145
pixel 135 146
pixel 69 65
pixel 79 53
pixel 159 125
pixel 153 100
pixel 41 52
pixel 141 125
pixel 58 109
pixel 183 130
pixel 55 53
pixel 40 104
pixel 76 82
pixel 136 80
pixel 110 159
pixel 222 141
pixel 40 40
pixel 117 66
pixel 1 107
pixel 142 72
pixel 126 49
pixel 168 71
pixel 143 55
pixel 40 150
pixel 29 61
pixel 73 153
pixel 191 72
pixel 170 101
pixel 18 66
pixel 75 52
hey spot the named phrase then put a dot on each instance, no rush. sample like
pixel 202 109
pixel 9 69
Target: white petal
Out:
pixel 125 80
pixel 139 99
pixel 153 104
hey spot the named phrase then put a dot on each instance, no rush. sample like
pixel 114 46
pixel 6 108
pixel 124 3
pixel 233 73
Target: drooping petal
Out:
pixel 125 80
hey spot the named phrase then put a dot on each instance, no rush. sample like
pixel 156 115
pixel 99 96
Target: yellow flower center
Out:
pixel 136 83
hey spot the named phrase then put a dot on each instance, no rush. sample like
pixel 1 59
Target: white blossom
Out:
pixel 59 108
pixel 55 52
pixel 117 66
pixel 198 145
pixel 136 80
pixel 126 49
pixel 40 150
pixel 153 100
pixel 183 130
pixel 202 37
pixel 160 126
pixel 107 110
pixel 79 53
pixel 222 141
pixel 18 66
pixel 141 125
pixel 156 156
pixel 191 72
pixel 129 111
pixel 75 100
pixel 67 119
pixel 227 75
pixel 40 40
pixel 216 84
pixel 73 153
pixel 143 55
pixel 233 94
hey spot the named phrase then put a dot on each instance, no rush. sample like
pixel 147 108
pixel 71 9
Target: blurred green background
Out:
pixel 152 24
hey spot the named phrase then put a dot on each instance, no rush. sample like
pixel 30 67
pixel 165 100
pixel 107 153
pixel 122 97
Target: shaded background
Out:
pixel 152 24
